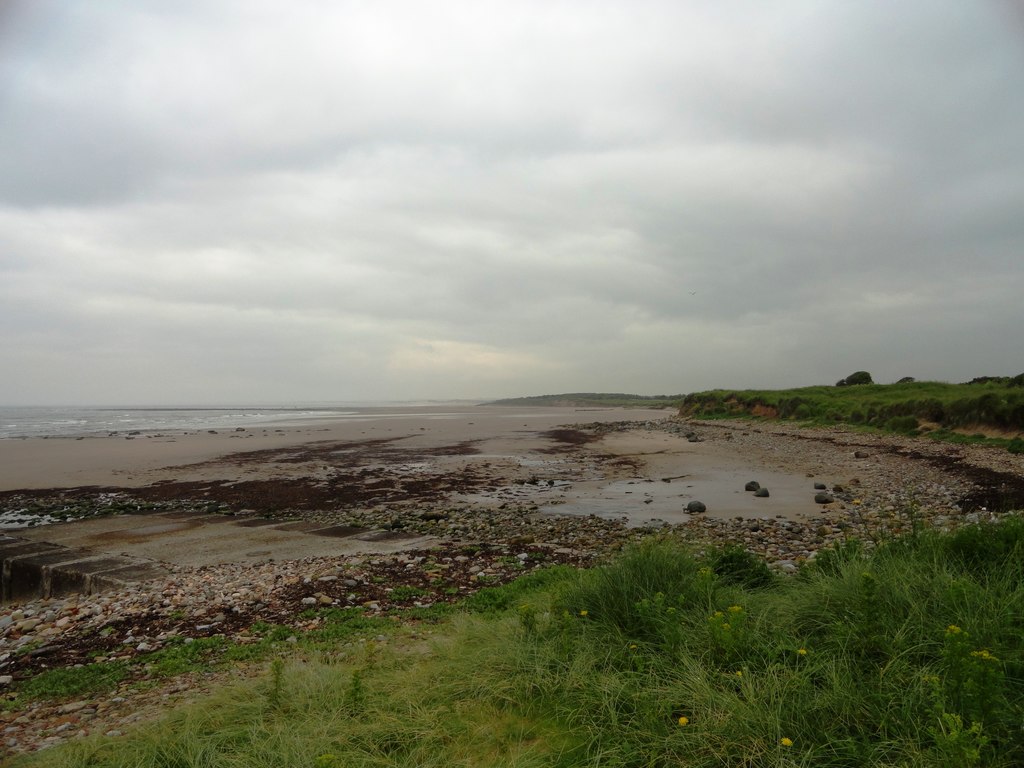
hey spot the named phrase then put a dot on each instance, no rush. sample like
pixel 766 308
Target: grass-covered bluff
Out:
pixel 908 655
pixel 989 408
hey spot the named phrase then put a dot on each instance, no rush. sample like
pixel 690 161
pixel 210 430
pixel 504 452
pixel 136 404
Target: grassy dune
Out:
pixel 987 410
pixel 909 655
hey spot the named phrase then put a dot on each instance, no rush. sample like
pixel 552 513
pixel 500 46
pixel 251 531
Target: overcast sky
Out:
pixel 213 201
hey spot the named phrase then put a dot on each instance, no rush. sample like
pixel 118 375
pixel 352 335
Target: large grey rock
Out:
pixel 696 507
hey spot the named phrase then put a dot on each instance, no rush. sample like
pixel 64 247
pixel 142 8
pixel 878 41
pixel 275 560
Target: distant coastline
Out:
pixel 594 400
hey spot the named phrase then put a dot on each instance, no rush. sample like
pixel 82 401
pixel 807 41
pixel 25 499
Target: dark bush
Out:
pixel 735 565
pixel 858 377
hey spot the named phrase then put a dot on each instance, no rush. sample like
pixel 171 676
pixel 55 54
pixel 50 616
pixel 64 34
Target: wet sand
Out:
pixel 133 461
pixel 483 456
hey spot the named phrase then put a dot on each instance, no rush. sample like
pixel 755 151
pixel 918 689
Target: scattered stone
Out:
pixel 820 487
pixel 696 507
pixel 823 498
pixel 761 493
pixel 753 485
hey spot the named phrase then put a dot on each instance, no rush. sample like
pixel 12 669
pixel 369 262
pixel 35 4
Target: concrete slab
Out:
pixel 210 540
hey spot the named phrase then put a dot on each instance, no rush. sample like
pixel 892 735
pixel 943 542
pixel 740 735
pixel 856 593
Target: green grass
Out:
pixel 904 408
pixel 908 655
pixel 74 681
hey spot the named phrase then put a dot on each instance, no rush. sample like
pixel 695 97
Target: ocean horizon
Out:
pixel 76 421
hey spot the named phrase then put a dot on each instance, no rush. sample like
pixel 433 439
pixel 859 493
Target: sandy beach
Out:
pixel 482 456
pixel 640 466
pixel 139 459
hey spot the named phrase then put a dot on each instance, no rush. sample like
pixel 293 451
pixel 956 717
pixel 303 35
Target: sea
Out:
pixel 21 422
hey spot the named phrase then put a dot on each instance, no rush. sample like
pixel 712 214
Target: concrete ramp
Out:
pixel 88 556
pixel 35 569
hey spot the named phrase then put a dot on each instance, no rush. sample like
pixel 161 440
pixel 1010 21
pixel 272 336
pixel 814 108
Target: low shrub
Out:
pixel 735 565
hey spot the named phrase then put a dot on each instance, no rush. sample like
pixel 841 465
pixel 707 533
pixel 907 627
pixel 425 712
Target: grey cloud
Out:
pixel 348 200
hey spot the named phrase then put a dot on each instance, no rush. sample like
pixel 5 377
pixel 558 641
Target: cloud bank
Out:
pixel 337 201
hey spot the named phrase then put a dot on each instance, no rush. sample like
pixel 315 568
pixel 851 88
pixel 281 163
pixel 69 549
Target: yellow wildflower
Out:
pixel 684 720
pixel 632 647
pixel 953 629
pixel 735 608
pixel 786 742
pixel 583 613
pixel 739 673
pixel 984 655
pixel 718 615
pixel 802 651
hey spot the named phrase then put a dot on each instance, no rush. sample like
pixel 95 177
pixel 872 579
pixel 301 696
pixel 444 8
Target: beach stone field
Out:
pixel 386 523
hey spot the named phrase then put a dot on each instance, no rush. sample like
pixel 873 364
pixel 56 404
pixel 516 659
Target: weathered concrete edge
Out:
pixel 37 569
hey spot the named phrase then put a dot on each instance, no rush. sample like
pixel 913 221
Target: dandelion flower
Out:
pixel 739 673
pixel 583 613
pixel 786 742
pixel 802 651
pixel 684 720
